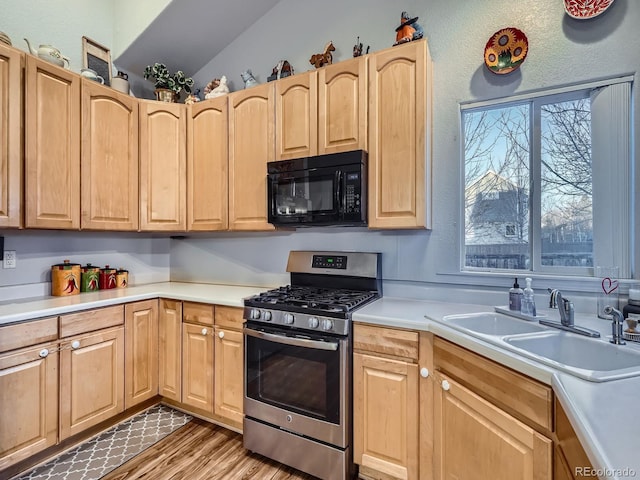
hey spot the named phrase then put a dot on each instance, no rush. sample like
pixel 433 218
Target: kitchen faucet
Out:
pixel 567 312
pixel 616 325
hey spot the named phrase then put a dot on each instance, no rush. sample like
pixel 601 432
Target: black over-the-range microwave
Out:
pixel 325 190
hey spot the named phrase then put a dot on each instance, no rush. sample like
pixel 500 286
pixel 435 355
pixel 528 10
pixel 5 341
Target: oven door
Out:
pixel 298 381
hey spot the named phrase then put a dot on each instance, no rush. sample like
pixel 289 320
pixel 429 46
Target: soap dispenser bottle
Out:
pixel 515 296
pixel 528 302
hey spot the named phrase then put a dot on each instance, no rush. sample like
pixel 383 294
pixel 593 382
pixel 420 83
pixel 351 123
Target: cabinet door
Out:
pixel 342 106
pixel 141 351
pixel 170 349
pixel 399 161
pixel 197 366
pixel 91 380
pixel 297 116
pixel 208 166
pixel 251 146
pixel 476 440
pixel 52 146
pixel 11 97
pixel 109 158
pixel 229 374
pixel 385 411
pixel 28 403
pixel 163 164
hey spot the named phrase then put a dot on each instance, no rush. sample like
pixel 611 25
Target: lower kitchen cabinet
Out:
pixel 229 365
pixel 197 366
pixel 28 402
pixel 141 352
pixel 170 349
pixel 569 456
pixel 475 440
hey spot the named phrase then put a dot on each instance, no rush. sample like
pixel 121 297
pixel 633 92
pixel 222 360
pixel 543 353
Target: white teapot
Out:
pixel 49 53
pixel 91 75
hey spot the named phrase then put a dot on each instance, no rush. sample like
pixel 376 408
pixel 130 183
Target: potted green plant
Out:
pixel 168 87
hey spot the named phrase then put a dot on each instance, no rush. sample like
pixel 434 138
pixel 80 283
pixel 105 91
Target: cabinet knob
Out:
pixel 204 331
pixel 446 385
pixel 424 372
pixel 75 344
pixel 44 353
pixel 221 334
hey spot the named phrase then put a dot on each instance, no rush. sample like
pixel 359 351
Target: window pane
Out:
pixel 566 184
pixel 496 162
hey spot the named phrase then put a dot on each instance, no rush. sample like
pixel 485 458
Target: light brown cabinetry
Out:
pixel 141 351
pixel 208 165
pixel 490 422
pixel 569 456
pixel 399 136
pixel 170 349
pixel 163 162
pixel 388 399
pixel 91 377
pixel 251 146
pixel 229 365
pixel 52 146
pixel 28 389
pixel 109 183
pixel 197 366
pixel 11 152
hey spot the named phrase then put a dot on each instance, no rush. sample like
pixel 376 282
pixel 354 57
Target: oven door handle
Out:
pixel 296 342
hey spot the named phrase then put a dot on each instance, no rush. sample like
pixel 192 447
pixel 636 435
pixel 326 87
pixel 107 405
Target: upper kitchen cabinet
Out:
pixel 297 116
pixel 342 106
pixel 399 137
pixel 52 146
pixel 208 165
pixel 163 161
pixel 251 146
pixel 11 156
pixel 109 159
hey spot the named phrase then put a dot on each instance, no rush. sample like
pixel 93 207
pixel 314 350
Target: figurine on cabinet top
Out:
pixel 408 30
pixel 325 58
pixel 357 48
pixel 221 89
pixel 248 78
pixel 192 98
pixel 281 70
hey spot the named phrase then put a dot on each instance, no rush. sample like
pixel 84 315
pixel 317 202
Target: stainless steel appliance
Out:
pixel 298 368
pixel 323 190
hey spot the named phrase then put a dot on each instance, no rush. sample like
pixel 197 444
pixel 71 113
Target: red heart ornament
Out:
pixel 609 286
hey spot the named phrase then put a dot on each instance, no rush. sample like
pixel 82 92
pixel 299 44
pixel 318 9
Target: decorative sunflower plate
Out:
pixel 583 9
pixel 506 50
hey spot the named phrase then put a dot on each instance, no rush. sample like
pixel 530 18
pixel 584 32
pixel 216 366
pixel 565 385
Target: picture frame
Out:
pixel 98 58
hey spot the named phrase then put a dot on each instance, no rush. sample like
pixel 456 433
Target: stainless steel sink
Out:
pixel 491 323
pixel 592 359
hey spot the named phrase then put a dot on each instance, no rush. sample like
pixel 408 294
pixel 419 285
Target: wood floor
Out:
pixel 200 450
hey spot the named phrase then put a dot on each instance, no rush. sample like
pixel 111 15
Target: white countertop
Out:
pixel 602 414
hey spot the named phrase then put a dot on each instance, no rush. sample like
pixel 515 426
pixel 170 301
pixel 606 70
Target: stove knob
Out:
pixel 288 318
pixel 266 316
pixel 254 314
pixel 327 324
pixel 313 322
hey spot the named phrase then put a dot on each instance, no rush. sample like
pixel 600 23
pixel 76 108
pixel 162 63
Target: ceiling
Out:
pixel 188 34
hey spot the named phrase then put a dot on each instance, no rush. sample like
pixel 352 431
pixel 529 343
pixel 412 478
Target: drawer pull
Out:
pixel 75 344
pixel 44 353
pixel 221 334
pixel 446 385
pixel 424 372
pixel 204 331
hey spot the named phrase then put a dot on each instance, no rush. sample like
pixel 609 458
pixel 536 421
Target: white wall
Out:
pixel 130 20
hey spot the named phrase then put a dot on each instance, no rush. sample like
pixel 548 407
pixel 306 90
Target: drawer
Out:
pixel 90 320
pixel 519 395
pixel 29 333
pixel 229 317
pixel 197 313
pixel 386 341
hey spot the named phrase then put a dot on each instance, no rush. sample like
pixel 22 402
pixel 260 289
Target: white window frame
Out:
pixel 611 166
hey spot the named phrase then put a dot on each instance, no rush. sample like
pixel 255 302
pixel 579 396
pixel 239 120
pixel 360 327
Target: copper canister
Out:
pixel 90 278
pixel 122 278
pixel 107 278
pixel 65 279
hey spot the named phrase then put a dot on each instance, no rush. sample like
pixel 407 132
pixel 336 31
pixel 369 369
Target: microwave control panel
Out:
pixel 352 193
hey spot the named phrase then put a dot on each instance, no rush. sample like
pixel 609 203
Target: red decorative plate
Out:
pixel 582 9
pixel 506 50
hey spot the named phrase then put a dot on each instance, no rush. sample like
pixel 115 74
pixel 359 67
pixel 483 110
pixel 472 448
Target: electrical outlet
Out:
pixel 9 260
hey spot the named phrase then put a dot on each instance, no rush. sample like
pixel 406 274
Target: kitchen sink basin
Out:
pixel 491 323
pixel 592 359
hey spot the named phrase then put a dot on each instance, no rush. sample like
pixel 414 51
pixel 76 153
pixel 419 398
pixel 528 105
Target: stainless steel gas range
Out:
pixel 298 371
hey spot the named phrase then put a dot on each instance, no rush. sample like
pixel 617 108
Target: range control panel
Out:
pixel 329 261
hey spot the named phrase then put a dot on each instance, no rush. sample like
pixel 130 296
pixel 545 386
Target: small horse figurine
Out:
pixel 325 58
pixel 248 79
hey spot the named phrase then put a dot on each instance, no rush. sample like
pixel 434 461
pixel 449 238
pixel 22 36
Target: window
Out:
pixel 539 172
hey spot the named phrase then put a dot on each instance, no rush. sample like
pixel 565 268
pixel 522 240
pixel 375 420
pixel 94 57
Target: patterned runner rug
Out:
pixel 106 452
